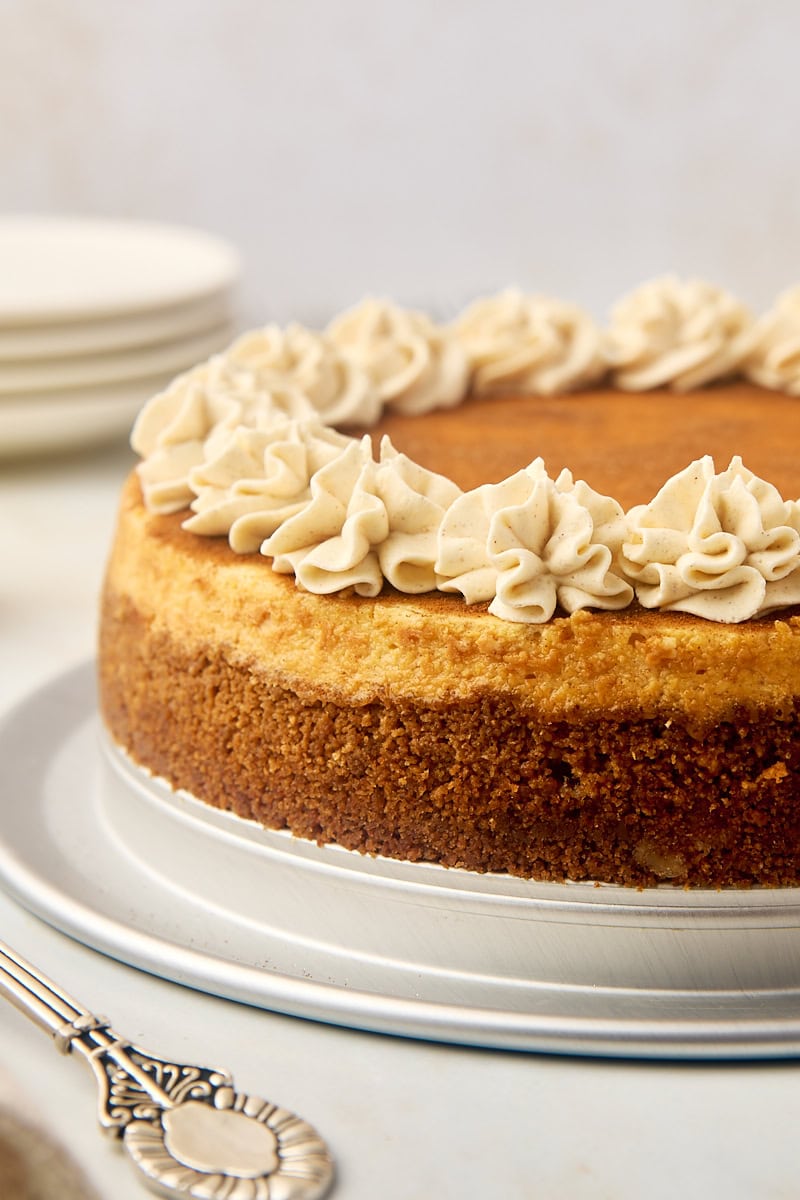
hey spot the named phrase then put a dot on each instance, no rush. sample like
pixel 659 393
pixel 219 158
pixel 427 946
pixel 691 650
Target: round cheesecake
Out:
pixel 633 747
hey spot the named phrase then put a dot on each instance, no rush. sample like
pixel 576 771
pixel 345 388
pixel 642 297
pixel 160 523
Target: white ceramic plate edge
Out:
pixel 58 268
pixel 112 334
pixel 62 421
pixel 18 380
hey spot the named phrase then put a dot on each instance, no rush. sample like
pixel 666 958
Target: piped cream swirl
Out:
pixel 259 479
pixel 530 543
pixel 414 365
pixel 191 421
pixel 366 521
pixel 264 376
pixel 297 357
pixel 774 359
pixel 722 546
pixel 677 334
pixel 521 343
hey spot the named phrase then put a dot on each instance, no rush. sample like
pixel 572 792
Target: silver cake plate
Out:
pixel 109 856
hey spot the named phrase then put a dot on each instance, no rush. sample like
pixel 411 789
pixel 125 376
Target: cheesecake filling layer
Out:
pixel 432 648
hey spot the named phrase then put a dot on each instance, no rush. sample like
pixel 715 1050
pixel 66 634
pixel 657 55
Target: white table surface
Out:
pixel 406 1120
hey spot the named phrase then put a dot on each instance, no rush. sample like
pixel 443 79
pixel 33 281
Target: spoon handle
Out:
pixel 184 1126
pixel 35 995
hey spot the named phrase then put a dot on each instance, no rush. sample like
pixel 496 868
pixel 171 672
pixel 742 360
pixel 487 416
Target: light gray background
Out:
pixel 427 151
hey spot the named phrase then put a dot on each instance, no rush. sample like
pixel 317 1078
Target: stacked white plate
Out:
pixel 95 317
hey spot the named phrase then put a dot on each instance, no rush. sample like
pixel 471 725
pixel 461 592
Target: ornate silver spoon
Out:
pixel 184 1127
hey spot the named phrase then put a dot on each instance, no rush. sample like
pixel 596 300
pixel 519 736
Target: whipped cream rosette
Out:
pixel 774 359
pixel 263 377
pixel 414 365
pixel 340 391
pixel 677 334
pixel 528 343
pixel 365 521
pixel 191 421
pixel 530 543
pixel 722 546
pixel 259 479
pixel 415 500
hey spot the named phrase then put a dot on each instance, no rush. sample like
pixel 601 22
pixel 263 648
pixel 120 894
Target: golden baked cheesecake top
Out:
pixel 624 445
pixel 673 487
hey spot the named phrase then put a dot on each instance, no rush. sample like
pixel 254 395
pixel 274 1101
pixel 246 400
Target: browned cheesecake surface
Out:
pixel 624 445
